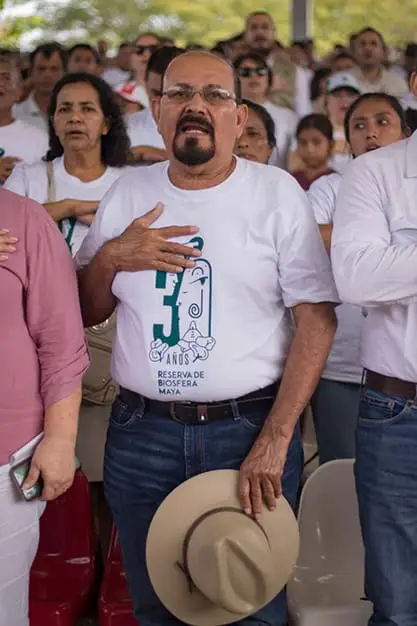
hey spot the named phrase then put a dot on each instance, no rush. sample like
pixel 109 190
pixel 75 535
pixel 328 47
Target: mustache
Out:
pixel 190 118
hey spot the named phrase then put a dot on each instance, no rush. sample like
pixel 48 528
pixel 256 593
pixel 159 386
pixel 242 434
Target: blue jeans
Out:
pixel 147 456
pixel 386 483
pixel 335 411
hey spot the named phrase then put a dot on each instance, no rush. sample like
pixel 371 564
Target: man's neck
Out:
pixel 85 166
pixel 6 117
pixel 200 176
pixel 42 100
pixel 372 74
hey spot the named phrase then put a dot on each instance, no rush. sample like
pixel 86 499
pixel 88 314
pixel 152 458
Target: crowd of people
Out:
pixel 240 220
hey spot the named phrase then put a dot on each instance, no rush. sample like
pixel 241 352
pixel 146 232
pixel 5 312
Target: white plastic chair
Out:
pixel 328 582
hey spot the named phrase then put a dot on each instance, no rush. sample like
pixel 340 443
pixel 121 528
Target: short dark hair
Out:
pixel 115 146
pixel 410 50
pixel 85 46
pixel 392 101
pixel 124 44
pixel 256 13
pixel 47 50
pixel 160 59
pixel 316 121
pixel 369 29
pixel 265 118
pixel 343 54
pixel 256 58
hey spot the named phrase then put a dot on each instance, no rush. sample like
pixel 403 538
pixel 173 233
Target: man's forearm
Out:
pixel 326 234
pixel 308 353
pixel 94 284
pixel 61 418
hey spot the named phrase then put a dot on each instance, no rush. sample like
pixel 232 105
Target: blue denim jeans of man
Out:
pixel 147 456
pixel 386 483
pixel 335 407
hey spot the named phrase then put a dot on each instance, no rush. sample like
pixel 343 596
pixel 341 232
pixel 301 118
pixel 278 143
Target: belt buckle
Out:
pixel 201 409
pixel 202 413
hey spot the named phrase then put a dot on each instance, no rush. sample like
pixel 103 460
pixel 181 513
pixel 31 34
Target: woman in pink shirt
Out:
pixel 43 357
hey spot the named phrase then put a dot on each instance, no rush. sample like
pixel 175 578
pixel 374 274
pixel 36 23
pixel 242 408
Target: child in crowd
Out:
pixel 315 144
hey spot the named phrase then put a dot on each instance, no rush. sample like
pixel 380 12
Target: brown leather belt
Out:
pixel 196 413
pixel 389 385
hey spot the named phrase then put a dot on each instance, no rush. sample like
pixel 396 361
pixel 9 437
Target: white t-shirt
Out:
pixel 223 328
pixel 32 181
pixel 29 112
pixel 285 126
pixel 142 130
pixel 343 363
pixel 23 140
pixel 114 76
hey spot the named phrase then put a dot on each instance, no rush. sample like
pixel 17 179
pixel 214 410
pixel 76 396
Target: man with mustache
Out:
pixel 213 374
pixel 291 84
pixel 370 51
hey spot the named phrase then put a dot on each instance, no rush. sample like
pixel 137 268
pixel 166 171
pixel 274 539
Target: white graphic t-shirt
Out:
pixel 343 364
pixel 32 181
pixel 221 329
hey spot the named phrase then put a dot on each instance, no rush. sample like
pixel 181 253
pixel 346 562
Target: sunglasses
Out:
pixel 142 49
pixel 246 72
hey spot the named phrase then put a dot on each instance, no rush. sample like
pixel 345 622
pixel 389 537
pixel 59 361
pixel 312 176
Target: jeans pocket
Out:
pixel 377 408
pixel 125 415
pixel 253 420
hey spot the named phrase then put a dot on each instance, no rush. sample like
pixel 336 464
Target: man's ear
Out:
pixel 413 83
pixel 156 109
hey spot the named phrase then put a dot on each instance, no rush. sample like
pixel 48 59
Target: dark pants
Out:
pixel 147 456
pixel 386 483
pixel 335 412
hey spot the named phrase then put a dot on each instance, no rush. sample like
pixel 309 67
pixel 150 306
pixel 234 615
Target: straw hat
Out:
pixel 208 562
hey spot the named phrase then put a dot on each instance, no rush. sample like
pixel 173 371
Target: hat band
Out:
pixel 225 509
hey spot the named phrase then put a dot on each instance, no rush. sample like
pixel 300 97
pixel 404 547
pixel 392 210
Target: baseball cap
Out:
pixel 342 80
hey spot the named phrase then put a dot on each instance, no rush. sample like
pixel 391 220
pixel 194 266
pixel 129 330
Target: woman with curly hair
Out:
pixel 88 150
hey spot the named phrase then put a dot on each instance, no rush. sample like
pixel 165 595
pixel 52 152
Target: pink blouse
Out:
pixel 43 353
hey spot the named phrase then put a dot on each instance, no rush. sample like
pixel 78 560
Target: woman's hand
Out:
pixel 54 461
pixel 70 208
pixel 7 244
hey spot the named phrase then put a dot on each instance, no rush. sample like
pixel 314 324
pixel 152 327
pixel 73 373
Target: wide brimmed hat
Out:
pixel 208 562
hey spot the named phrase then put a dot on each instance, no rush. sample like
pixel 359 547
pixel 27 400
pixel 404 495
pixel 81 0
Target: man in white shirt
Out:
pixel 374 255
pixel 146 140
pixel 19 141
pixel 213 373
pixel 48 65
pixel 370 54
pixel 291 84
pixel 121 72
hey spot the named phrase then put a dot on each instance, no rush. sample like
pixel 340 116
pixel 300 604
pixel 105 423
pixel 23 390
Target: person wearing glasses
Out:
pixel 256 79
pixel 147 142
pixel 213 373
pixel 144 47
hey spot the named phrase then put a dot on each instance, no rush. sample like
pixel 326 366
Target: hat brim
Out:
pixel 345 88
pixel 168 529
